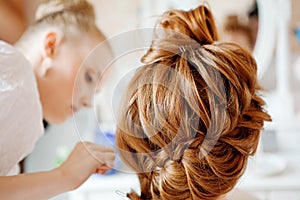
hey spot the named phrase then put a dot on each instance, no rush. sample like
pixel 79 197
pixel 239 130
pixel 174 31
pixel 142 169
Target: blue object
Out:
pixel 107 138
pixel 297 32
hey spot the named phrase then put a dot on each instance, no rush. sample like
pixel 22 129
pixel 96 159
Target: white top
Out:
pixel 21 121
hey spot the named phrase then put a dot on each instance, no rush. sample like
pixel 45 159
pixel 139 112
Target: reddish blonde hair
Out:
pixel 192 115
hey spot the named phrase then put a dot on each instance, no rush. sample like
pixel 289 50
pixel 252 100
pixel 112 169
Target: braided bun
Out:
pixel 179 30
pixel 197 24
pixel 191 118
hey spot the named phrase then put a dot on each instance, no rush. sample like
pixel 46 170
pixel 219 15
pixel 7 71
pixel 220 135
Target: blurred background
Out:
pixel 270 29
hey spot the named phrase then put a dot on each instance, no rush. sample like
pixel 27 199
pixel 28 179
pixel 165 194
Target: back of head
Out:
pixel 192 115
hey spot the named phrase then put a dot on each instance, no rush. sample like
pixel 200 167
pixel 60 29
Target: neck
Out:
pixel 31 52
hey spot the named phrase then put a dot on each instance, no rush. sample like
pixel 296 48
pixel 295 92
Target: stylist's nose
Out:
pixel 86 102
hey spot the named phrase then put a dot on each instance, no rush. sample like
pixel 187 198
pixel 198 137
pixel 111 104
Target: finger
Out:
pixel 104 167
pixel 102 171
pixel 96 147
pixel 105 158
pixel 104 148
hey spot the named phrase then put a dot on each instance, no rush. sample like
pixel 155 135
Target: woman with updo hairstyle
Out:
pixel 42 77
pixel 191 115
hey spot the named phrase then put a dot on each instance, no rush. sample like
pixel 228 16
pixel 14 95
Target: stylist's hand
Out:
pixel 86 158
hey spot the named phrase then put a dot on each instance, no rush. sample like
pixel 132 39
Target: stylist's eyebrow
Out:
pixel 91 68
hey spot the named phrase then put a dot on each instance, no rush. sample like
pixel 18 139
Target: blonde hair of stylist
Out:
pixel 37 78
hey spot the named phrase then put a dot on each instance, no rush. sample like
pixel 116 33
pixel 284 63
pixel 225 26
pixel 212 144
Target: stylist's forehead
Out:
pixel 100 59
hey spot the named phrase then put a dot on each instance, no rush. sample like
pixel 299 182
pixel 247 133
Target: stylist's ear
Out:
pixel 51 43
